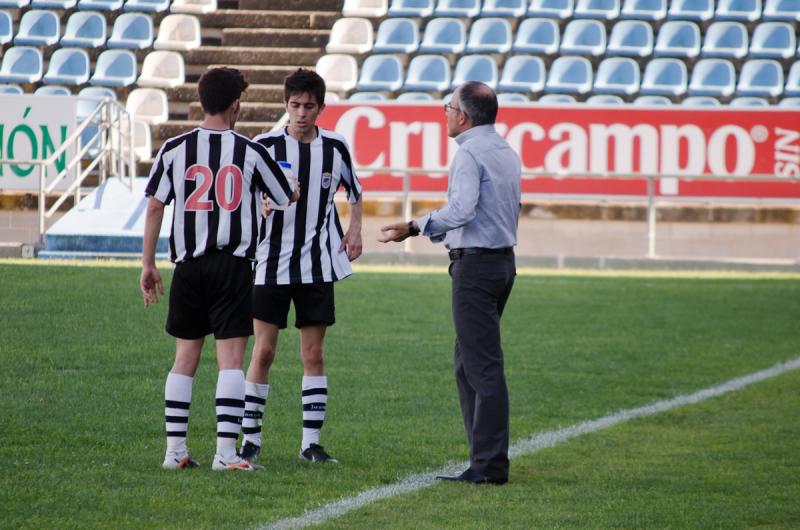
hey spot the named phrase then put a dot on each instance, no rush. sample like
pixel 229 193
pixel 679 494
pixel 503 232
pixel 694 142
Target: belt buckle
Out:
pixel 455 253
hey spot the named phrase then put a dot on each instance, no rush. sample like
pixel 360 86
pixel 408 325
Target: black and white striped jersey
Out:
pixel 216 179
pixel 301 244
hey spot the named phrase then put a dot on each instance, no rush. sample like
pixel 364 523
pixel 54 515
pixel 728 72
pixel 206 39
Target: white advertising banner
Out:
pixel 33 128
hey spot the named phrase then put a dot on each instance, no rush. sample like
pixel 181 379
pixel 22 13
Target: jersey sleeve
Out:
pixel 349 179
pixel 159 184
pixel 268 176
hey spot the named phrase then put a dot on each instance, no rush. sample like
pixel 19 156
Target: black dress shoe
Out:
pixel 473 478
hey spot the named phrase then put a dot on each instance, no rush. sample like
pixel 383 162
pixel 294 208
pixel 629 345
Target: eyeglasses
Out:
pixel 449 106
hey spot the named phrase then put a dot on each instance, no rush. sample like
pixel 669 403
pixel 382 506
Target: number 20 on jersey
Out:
pixel 227 188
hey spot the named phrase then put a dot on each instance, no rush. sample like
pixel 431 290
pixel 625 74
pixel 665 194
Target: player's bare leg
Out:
pixel 315 393
pixel 257 387
pixel 177 399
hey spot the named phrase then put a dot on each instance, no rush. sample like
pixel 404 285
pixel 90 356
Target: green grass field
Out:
pixel 82 369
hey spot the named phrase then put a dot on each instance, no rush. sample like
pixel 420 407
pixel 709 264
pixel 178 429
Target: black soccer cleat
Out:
pixel 316 453
pixel 250 452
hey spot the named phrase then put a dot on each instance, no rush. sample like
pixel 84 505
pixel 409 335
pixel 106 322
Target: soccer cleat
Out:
pixel 316 453
pixel 250 452
pixel 178 461
pixel 231 464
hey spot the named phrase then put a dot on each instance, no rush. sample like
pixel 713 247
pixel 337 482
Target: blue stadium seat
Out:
pixel 653 10
pixel 100 5
pixel 85 28
pixel 489 35
pixel 115 68
pixel 664 77
pixel 458 8
pixel 428 72
pixel 701 101
pixel 149 6
pixel 713 77
pixel 89 98
pixel 381 72
pixel 411 8
pixel 790 103
pixel 725 39
pixel 652 100
pixel 631 38
pixel 749 102
pixel 773 40
pixel 787 10
pixel 697 10
pixel 741 10
pixel 511 97
pixel 397 35
pixel 792 87
pixel 68 66
pixel 11 90
pixel 416 96
pixel 605 99
pixel 444 35
pixel 617 75
pixel 560 9
pixel 598 9
pixel 38 27
pixel 52 90
pixel 21 64
pixel 504 8
pixel 537 35
pixel 132 31
pixel 760 77
pixel 678 39
pixel 557 99
pixel 366 96
pixel 584 37
pixel 570 75
pixel 523 73
pixel 14 4
pixel 53 4
pixel 475 68
pixel 6 28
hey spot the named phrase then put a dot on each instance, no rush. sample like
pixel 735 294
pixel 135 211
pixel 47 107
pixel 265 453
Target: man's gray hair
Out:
pixel 479 102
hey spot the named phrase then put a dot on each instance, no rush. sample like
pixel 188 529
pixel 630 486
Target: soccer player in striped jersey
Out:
pixel 215 178
pixel 302 251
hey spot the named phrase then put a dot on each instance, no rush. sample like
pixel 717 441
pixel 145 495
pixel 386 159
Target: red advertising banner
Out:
pixel 585 142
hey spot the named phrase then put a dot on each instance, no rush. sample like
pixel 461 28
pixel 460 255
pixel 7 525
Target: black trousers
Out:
pixel 481 286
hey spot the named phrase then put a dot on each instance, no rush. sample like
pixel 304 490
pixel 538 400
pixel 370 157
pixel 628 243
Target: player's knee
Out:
pixel 313 356
pixel 264 355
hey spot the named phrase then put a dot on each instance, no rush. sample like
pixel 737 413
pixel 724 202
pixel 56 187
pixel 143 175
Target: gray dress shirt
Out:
pixel 483 194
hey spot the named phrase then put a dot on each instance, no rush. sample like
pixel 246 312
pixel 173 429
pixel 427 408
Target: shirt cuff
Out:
pixel 425 229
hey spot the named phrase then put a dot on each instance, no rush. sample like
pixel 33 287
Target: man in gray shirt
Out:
pixel 479 227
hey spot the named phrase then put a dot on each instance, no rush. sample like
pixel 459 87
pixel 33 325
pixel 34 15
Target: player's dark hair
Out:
pixel 302 81
pixel 219 87
pixel 479 102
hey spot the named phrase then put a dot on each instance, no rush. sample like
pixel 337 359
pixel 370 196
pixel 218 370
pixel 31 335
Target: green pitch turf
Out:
pixel 82 369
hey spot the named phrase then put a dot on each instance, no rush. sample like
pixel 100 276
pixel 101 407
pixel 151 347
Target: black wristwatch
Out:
pixel 412 229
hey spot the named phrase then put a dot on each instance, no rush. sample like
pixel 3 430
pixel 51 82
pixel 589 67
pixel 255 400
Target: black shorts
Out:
pixel 211 294
pixel 313 304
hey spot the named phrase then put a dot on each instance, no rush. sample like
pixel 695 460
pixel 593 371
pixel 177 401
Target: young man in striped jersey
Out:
pixel 215 178
pixel 302 250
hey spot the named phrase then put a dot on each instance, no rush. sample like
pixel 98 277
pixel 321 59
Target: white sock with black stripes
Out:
pixel 255 401
pixel 315 400
pixel 177 398
pixel 230 408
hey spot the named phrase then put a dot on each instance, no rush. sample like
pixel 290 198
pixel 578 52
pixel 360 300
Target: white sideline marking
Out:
pixel 526 446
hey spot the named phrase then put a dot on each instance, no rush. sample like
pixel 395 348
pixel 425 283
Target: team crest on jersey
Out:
pixel 326 180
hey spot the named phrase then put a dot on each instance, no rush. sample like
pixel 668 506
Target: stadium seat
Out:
pixel 411 8
pixel 774 40
pixel 523 73
pixel 197 7
pixel 38 27
pixel 537 35
pixel 652 10
pixel 148 104
pixel 760 77
pixel 397 35
pixel 489 35
pixel 53 4
pixel 740 10
pixel 504 8
pixel 366 96
pixel 351 35
pixel 178 32
pixel 557 99
pixel 416 96
pixel 791 103
pixel 570 75
pixel 701 101
pixel 6 28
pixel 617 75
pixel 696 10
pixel 132 31
pixel 786 10
pixel 597 9
pixel 86 29
pixel 162 69
pixel 749 102
pixel 339 71
pixel 142 140
pixel 631 38
pixel 11 90
pixel 725 39
pixel 21 64
pixel 792 87
pixel 458 8
pixel 365 8
pixel 678 39
pixel 52 90
pixel 475 68
pixel 381 72
pixel 511 97
pixel 605 99
pixel 14 4
pixel 652 100
pixel 148 6
pixel 713 77
pixel 664 77
pixel 560 9
pixel 444 35
pixel 428 72
pixel 584 37
pixel 114 68
pixel 100 5
pixel 89 98
pixel 68 66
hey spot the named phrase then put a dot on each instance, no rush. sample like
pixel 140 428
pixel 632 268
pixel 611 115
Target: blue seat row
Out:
pixel 71 66
pixel 41 27
pixel 150 6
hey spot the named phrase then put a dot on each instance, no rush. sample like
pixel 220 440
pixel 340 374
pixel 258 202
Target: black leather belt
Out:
pixel 458 253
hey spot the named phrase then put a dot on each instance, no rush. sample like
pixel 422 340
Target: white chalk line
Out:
pixel 526 446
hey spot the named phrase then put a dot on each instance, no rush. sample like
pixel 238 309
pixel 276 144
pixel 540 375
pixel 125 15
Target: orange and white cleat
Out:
pixel 235 463
pixel 178 461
